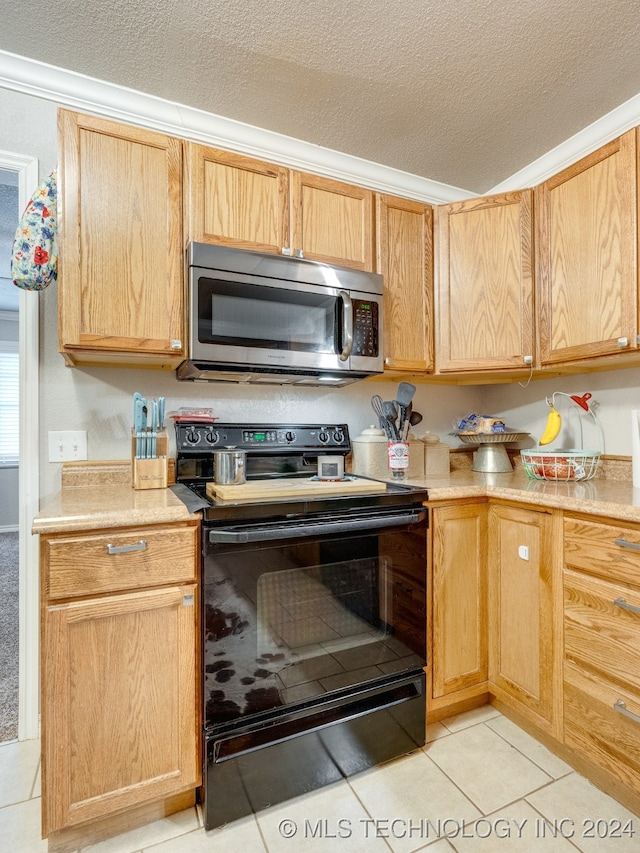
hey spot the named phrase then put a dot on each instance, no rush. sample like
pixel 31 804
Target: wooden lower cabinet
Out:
pixel 119 685
pixel 458 618
pixel 524 616
pixel 602 645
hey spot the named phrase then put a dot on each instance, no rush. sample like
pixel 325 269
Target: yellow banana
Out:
pixel 551 430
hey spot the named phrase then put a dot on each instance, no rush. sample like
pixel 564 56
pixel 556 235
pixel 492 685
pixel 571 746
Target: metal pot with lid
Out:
pixel 229 466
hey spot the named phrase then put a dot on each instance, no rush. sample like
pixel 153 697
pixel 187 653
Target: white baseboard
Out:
pixel 8 528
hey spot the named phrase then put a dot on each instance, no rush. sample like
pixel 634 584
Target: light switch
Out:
pixel 66 445
pixel 523 552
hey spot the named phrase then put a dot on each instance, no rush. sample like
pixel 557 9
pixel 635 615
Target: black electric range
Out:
pixel 313 621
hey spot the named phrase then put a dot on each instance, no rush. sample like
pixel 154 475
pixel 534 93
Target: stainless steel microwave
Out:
pixel 273 319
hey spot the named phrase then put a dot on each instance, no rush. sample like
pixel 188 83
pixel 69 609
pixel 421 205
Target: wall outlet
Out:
pixel 67 445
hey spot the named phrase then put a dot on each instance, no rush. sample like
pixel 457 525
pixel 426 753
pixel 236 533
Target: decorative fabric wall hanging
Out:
pixel 34 259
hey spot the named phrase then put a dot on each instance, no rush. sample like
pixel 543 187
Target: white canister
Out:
pixel 369 451
pixel 436 456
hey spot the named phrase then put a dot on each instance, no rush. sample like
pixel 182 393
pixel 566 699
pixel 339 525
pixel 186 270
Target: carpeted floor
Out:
pixel 8 636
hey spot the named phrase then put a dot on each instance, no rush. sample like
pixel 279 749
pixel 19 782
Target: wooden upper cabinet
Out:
pixel 484 284
pixel 586 233
pixel 121 261
pixel 404 242
pixel 332 222
pixel 235 201
pixel 232 200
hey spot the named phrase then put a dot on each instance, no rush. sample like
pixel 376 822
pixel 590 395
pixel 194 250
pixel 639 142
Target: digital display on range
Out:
pixel 259 436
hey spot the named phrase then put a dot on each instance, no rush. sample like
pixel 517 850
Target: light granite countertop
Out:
pixel 106 506
pixel 609 497
pixel 110 501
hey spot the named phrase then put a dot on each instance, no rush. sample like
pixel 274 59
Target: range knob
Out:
pixel 338 436
pixel 323 436
pixel 290 435
pixel 192 437
pixel 212 437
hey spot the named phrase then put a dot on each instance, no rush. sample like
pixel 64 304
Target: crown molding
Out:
pixel 86 94
pixel 592 137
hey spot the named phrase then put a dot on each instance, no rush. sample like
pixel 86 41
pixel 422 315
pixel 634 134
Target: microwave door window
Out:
pixel 247 315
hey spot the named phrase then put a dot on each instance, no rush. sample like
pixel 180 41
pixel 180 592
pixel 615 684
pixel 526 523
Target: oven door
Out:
pixel 302 610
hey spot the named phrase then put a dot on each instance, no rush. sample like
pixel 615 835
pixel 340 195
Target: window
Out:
pixel 9 403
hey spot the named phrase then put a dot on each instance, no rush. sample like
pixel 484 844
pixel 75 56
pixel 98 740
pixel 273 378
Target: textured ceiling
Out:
pixel 466 92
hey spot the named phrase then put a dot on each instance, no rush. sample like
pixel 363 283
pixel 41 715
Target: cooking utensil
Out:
pixel 376 405
pixel 415 418
pixel 390 411
pixel 404 395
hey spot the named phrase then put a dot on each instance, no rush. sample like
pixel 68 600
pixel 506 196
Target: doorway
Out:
pixel 18 180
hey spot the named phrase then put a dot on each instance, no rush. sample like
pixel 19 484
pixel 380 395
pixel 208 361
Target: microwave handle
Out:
pixel 347 325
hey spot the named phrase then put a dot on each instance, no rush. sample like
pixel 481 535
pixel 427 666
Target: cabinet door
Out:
pixel 118 703
pixel 458 594
pixel 404 241
pixel 484 292
pixel 332 221
pixel 524 609
pixel 236 201
pixel 586 233
pixel 121 277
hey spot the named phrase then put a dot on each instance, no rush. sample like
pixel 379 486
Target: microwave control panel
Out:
pixel 366 331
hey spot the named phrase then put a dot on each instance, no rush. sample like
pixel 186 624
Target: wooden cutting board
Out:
pixel 292 487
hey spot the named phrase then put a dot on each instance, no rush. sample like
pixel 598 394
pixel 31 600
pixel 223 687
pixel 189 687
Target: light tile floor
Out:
pixel 481 784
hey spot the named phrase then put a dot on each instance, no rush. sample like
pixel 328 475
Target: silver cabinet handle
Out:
pixel 619 706
pixel 622 542
pixel 620 602
pixel 347 325
pixel 126 549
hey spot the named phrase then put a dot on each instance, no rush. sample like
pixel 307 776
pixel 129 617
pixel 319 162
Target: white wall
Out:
pixel 615 393
pixel 99 400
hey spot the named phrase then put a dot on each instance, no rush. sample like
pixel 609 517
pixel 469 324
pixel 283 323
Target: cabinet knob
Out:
pixel 298 253
pixel 176 344
pixel 623 342
pixel 286 250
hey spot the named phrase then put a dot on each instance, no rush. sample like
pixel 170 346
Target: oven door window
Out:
pixel 293 621
pixel 266 317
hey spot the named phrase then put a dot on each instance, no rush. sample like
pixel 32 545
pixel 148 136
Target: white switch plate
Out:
pixel 66 445
pixel 523 552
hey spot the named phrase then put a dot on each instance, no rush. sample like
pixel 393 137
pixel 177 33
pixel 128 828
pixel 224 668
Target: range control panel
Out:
pixel 198 437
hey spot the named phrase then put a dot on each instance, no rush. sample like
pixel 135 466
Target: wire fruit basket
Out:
pixel 562 465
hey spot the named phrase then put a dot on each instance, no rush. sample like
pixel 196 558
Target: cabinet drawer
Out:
pixel 609 551
pixel 602 628
pixel 598 724
pixel 125 559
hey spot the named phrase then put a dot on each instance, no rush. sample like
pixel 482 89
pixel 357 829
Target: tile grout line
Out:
pixel 533 761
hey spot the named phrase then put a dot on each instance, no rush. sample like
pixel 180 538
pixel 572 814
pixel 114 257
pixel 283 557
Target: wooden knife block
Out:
pixel 151 473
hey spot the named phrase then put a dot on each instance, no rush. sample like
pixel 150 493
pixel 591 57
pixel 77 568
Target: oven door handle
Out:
pixel 267 532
